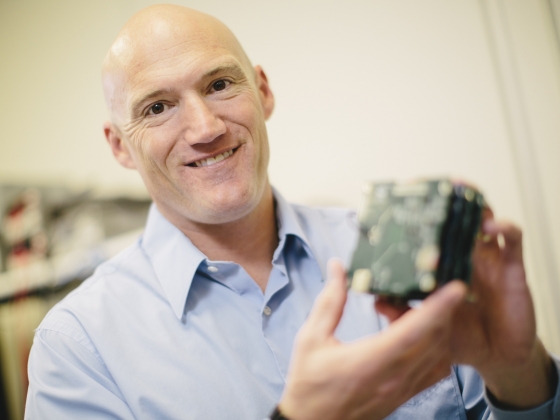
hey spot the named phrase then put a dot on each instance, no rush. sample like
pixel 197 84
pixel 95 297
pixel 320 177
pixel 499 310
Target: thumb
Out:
pixel 329 305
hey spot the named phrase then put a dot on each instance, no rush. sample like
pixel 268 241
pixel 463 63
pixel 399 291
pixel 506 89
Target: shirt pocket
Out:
pixel 436 391
pixel 439 401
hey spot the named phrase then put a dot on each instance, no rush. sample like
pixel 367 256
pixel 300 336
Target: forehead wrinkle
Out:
pixel 161 49
pixel 143 60
pixel 140 98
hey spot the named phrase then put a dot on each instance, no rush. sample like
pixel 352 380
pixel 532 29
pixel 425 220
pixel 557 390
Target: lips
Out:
pixel 213 159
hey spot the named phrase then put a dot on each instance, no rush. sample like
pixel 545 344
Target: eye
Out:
pixel 157 108
pixel 220 85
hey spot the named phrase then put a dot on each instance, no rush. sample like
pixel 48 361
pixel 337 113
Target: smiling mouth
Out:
pixel 214 159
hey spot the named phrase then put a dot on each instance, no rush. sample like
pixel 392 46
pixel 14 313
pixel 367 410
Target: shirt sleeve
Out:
pixel 479 406
pixel 68 380
pixel 550 410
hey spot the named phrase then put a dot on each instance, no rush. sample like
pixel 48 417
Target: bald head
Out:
pixel 188 111
pixel 156 33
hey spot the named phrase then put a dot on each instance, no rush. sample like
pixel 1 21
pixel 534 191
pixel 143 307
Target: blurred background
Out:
pixel 365 90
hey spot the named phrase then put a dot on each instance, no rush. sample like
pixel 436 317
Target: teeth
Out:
pixel 213 160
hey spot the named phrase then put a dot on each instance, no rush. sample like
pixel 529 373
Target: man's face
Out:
pixel 192 121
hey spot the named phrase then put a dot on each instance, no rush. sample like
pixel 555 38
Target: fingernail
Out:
pixel 333 268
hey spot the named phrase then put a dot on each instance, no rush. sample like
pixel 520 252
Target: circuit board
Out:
pixel 414 237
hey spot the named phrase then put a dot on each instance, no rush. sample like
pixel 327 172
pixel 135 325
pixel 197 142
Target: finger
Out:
pixel 487 212
pixel 391 310
pixel 436 307
pixel 512 235
pixel 424 358
pixel 427 325
pixel 423 327
pixel 329 305
pixel 418 331
pixel 413 360
pixel 486 240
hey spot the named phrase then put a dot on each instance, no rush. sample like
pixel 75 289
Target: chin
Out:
pixel 227 207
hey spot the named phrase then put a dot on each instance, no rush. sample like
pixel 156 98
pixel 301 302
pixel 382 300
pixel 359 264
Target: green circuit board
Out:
pixel 414 237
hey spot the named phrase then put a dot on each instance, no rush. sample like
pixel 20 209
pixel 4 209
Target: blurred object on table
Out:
pixel 51 239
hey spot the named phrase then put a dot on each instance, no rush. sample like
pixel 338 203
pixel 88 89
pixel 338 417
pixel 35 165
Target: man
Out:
pixel 198 319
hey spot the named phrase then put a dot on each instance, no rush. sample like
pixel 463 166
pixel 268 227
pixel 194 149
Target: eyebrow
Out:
pixel 232 68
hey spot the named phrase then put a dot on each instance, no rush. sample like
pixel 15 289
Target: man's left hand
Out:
pixel 494 330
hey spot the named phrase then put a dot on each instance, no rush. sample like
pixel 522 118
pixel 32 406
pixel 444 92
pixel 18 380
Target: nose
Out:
pixel 202 124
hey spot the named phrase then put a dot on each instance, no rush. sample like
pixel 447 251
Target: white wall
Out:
pixel 370 89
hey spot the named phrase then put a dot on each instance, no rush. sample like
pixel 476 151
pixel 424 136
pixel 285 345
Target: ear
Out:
pixel 266 96
pixel 118 146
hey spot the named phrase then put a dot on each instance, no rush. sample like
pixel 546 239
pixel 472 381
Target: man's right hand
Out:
pixel 371 377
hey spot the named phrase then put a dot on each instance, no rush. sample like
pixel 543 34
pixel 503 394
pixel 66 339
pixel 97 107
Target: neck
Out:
pixel 249 241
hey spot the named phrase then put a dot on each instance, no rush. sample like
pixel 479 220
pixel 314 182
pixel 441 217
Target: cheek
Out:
pixel 247 113
pixel 261 139
pixel 244 110
pixel 153 146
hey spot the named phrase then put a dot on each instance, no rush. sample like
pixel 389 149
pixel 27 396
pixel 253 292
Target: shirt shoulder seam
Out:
pixel 74 340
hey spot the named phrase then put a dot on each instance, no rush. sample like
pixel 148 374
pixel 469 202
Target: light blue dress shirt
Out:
pixel 161 332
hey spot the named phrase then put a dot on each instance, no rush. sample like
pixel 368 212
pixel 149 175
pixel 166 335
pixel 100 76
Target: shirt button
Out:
pixel 267 311
pixel 212 269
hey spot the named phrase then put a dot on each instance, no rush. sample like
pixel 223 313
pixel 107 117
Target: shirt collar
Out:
pixel 292 223
pixel 175 258
pixel 288 224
